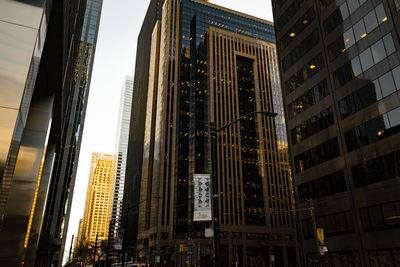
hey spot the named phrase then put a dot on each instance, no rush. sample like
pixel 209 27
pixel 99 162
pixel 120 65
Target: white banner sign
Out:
pixel 202 197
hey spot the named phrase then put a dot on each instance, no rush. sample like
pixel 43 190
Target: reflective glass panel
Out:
pixel 355 64
pixel 387 84
pixel 348 38
pixel 353 5
pixel 389 45
pixel 394 117
pixel 366 59
pixel 344 11
pixel 378 90
pixel 359 30
pixel 396 75
pixel 378 51
pixel 380 13
pixel 370 21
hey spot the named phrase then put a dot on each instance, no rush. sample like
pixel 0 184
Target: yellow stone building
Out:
pixel 99 198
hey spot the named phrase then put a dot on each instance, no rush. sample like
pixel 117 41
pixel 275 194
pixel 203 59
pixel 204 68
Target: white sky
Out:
pixel 115 58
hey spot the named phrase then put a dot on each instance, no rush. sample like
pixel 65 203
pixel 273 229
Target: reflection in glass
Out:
pixel 370 21
pixel 378 51
pixel 359 30
pixel 387 84
pixel 388 40
pixel 355 64
pixel 348 37
pixel 366 59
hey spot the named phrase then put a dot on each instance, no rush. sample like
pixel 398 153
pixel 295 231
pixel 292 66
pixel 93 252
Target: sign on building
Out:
pixel 202 197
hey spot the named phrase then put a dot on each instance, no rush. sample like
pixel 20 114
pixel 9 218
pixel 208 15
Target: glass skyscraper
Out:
pixel 340 66
pixel 38 43
pixel 58 204
pixel 208 63
pixel 122 153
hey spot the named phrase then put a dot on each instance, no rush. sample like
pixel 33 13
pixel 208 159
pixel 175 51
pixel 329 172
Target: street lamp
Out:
pixel 213 135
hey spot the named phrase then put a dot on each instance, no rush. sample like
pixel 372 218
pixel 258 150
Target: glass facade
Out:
pixel 59 198
pixel 122 153
pixel 343 122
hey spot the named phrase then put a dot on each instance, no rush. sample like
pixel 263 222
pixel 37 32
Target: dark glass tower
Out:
pixel 340 69
pixel 39 44
pixel 207 63
pixel 58 203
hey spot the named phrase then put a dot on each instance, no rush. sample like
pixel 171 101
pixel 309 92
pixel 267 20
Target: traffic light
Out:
pixel 140 254
pixel 181 247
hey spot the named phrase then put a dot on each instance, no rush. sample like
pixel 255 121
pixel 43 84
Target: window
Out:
pixel 322 187
pixel 387 84
pixel 366 59
pixel 317 155
pixel 378 51
pixel 373 130
pixel 306 45
pixel 306 72
pixel 312 126
pixel 376 170
pixel 311 97
pixel 381 217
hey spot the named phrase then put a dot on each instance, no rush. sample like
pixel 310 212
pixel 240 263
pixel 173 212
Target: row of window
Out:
pixel 336 259
pixel 299 51
pixel 297 28
pixel 313 125
pixel 384 257
pixel 340 14
pixel 376 170
pixel 322 187
pixel 308 99
pixel 306 72
pixel 317 155
pixel 381 217
pixel 374 91
pixel 333 224
pixel 372 55
pixel 373 130
pixel 359 30
pixel 289 13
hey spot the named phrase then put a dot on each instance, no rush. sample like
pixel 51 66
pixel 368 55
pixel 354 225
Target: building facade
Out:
pixel 211 64
pixel 340 69
pixel 122 153
pixel 58 204
pixel 39 45
pixel 99 199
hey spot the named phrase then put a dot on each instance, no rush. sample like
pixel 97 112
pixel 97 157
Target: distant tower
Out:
pixel 122 150
pixel 99 198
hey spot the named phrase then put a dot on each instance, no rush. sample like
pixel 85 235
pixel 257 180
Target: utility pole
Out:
pixel 215 197
pixel 108 242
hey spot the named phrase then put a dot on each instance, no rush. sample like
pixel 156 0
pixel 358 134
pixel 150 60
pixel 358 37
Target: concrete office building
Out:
pixel 340 69
pixel 200 62
pixel 58 204
pixel 99 199
pixel 39 42
pixel 122 153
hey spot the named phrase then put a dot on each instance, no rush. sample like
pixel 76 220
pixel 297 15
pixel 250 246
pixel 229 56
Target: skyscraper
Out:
pixel 58 204
pixel 206 63
pixel 38 49
pixel 122 153
pixel 340 70
pixel 99 198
